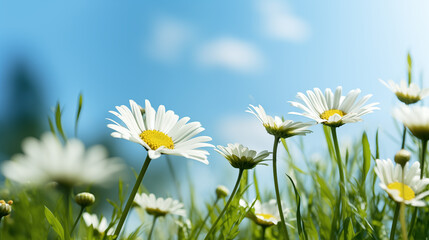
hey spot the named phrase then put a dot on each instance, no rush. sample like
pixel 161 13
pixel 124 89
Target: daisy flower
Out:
pixel 333 109
pixel 241 157
pixel 407 94
pixel 264 214
pixel 5 208
pixel 411 190
pixel 158 206
pixel 415 118
pixel 160 132
pixel 276 126
pixel 99 226
pixel 48 160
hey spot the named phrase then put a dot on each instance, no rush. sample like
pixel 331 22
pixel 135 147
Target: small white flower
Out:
pixel 241 157
pixel 99 226
pixel 276 126
pixel 407 94
pixel 411 190
pixel 333 109
pixel 159 206
pixel 415 118
pixel 48 160
pixel 160 132
pixel 265 214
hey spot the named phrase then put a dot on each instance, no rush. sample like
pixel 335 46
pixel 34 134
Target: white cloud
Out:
pixel 246 130
pixel 168 39
pixel 230 53
pixel 278 22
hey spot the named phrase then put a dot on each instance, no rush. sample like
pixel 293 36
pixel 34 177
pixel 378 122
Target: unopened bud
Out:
pixel 402 157
pixel 5 208
pixel 222 191
pixel 85 199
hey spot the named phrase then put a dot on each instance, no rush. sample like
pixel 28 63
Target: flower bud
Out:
pixel 85 199
pixel 402 157
pixel 5 208
pixel 222 191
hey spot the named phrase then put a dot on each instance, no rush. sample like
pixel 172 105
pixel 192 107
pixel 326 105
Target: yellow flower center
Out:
pixel 405 191
pixel 328 113
pixel 156 139
pixel 265 216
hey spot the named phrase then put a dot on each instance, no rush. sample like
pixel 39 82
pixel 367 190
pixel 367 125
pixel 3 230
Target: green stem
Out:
pixel 395 220
pixel 340 169
pixel 153 227
pixel 132 196
pixel 404 134
pixel 206 218
pixel 77 219
pixel 263 232
pixel 67 209
pixel 422 167
pixel 276 186
pixel 422 158
pixel 240 174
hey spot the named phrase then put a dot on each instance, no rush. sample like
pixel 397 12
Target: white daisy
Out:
pixel 160 132
pixel 159 206
pixel 276 126
pixel 265 214
pixel 241 157
pixel 48 160
pixel 410 190
pixel 407 94
pixel 99 226
pixel 333 109
pixel 415 118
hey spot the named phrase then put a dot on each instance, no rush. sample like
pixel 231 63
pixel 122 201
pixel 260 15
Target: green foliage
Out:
pixel 54 222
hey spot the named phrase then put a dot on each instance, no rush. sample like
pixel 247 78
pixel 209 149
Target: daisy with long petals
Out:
pixel 99 226
pixel 407 94
pixel 333 109
pixel 264 214
pixel 411 190
pixel 159 206
pixel 70 164
pixel 278 127
pixel 160 132
pixel 242 157
pixel 415 118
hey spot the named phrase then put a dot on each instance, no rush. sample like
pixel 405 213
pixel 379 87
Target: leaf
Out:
pixel 58 121
pixel 255 182
pixel 366 156
pixel 51 126
pixel 54 222
pixel 79 109
pixel 410 67
pixel 299 221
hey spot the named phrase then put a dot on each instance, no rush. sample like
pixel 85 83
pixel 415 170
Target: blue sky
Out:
pixel 209 60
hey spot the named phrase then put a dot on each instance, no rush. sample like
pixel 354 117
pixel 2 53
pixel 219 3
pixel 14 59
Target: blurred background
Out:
pixel 206 60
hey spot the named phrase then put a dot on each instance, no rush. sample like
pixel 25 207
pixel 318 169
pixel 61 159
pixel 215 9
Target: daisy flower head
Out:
pixel 264 214
pixel 160 132
pixel 407 94
pixel 410 191
pixel 278 127
pixel 242 157
pixel 333 109
pixel 99 226
pixel 70 164
pixel 415 118
pixel 159 207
